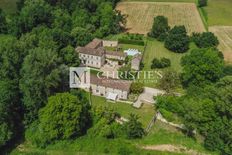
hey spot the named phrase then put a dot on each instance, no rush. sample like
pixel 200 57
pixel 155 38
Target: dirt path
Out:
pixel 172 148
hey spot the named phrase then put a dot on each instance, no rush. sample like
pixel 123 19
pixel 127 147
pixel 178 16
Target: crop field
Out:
pixel 224 34
pixel 140 15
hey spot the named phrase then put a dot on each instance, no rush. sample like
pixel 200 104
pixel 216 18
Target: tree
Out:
pixel 177 40
pixel 81 36
pixel 134 128
pixel 3 23
pixel 206 40
pixel 160 27
pixel 9 117
pixel 41 77
pixel 202 3
pixel 62 20
pixel 136 88
pixel 70 56
pixel 34 13
pixel 201 66
pixel 64 117
pixel 169 81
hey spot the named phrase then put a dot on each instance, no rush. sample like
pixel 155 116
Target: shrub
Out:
pixel 162 63
pixel 202 3
pixel 133 42
pixel 134 128
pixel 177 40
pixel 136 88
pixel 227 70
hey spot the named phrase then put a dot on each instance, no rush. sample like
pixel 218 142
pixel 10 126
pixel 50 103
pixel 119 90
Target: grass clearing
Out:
pixel 140 15
pixel 146 112
pixel 8 6
pixel 165 134
pixel 156 49
pixel 224 34
pixel 219 12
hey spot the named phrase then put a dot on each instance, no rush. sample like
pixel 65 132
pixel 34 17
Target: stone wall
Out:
pixel 107 43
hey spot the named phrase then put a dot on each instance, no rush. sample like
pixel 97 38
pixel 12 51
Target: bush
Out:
pixel 133 36
pixel 167 115
pixel 134 128
pixel 133 42
pixel 136 88
pixel 227 70
pixel 202 3
pixel 177 40
pixel 162 63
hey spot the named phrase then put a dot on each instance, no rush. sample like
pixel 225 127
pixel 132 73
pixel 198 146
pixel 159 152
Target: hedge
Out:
pixel 134 42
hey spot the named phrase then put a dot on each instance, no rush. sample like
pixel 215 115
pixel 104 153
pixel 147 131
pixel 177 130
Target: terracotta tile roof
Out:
pixel 90 51
pixel 95 43
pixel 121 54
pixel 111 83
pixel 137 58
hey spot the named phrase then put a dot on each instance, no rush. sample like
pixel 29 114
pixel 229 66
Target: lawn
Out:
pixel 156 49
pixel 146 112
pixel 130 46
pixel 165 134
pixel 219 12
pixel 8 5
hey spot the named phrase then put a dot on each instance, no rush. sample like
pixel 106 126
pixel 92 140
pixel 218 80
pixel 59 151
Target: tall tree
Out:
pixel 65 116
pixel 3 23
pixel 201 66
pixel 34 13
pixel 40 78
pixel 160 27
pixel 169 81
pixel 177 40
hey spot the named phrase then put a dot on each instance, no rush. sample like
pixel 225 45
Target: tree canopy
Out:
pixel 201 66
pixel 64 117
pixel 160 27
pixel 177 40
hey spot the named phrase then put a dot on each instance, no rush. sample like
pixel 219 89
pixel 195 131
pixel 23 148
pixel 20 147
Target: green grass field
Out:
pixel 156 49
pixel 8 6
pixel 160 134
pixel 146 112
pixel 219 12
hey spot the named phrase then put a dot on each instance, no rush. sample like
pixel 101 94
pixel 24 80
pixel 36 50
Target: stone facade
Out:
pixel 107 43
pixel 92 60
pixel 95 55
pixel 102 87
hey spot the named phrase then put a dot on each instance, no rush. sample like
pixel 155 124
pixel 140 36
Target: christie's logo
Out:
pixel 79 77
